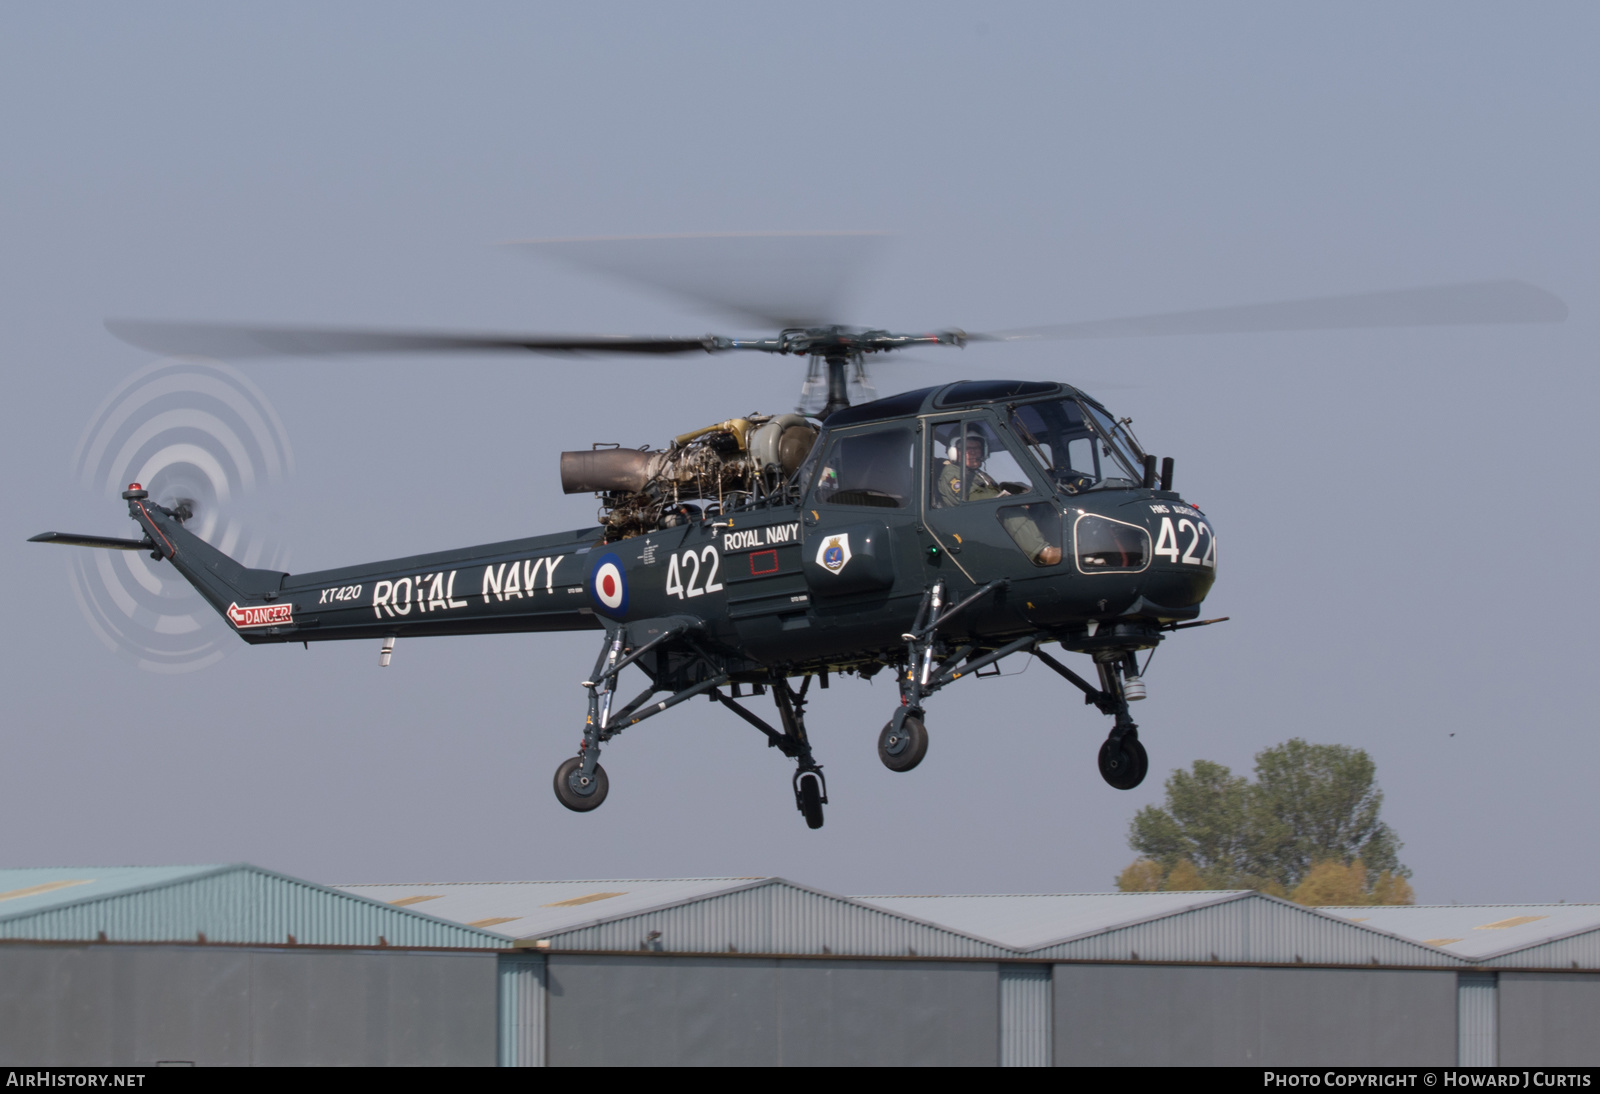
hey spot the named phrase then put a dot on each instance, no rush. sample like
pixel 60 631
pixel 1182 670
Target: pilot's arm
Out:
pixel 1026 533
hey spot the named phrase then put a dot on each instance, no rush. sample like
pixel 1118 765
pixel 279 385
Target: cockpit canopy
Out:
pixel 1067 438
pixel 1077 444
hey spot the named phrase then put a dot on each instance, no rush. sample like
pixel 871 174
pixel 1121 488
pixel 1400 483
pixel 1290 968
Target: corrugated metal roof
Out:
pixel 1029 921
pixel 1235 926
pixel 1250 927
pixel 780 917
pixel 245 904
pixel 226 904
pixel 1497 933
pixel 538 909
pixel 26 891
pixel 773 915
pixel 700 915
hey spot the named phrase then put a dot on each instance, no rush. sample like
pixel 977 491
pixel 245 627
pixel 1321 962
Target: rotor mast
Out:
pixel 838 388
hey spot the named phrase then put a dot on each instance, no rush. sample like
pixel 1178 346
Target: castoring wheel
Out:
pixel 576 792
pixel 811 799
pixel 1124 765
pixel 902 748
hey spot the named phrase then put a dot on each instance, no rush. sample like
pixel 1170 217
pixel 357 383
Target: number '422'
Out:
pixel 1198 546
pixel 689 564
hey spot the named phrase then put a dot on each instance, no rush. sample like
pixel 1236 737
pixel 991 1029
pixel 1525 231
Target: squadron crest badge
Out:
pixel 834 553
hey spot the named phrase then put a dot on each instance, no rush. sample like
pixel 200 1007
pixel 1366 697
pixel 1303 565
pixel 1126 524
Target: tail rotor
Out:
pixel 208 445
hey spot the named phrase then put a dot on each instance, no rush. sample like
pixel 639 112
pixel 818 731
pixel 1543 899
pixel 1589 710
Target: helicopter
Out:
pixel 929 534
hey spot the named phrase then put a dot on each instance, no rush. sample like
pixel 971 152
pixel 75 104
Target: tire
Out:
pixel 1124 767
pixel 811 800
pixel 903 750
pixel 1141 765
pixel 573 798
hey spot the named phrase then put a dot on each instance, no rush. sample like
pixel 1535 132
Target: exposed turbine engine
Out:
pixel 750 458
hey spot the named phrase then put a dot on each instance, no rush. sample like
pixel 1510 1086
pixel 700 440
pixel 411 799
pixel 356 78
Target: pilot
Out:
pixel 974 484
pixel 962 478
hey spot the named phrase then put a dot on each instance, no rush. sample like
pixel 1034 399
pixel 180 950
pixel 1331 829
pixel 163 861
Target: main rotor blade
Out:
pixel 230 341
pixel 779 279
pixel 1477 302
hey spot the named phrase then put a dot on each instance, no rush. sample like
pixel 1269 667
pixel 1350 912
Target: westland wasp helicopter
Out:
pixel 931 533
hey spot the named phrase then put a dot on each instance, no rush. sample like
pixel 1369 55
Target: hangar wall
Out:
pixel 1129 1015
pixel 103 1004
pixel 117 1005
pixel 654 1010
pixel 1549 1021
pixel 135 965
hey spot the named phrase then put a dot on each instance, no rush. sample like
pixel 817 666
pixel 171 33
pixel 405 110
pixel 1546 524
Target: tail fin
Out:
pixel 224 583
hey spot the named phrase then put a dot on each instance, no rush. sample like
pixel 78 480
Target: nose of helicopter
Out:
pixel 1164 548
pixel 1183 552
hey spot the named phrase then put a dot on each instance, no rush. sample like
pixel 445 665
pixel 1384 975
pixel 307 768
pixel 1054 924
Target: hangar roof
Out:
pixel 1029 921
pixel 223 904
pixel 1483 932
pixel 1234 926
pixel 248 905
pixel 696 915
pixel 776 916
pixel 23 892
pixel 537 909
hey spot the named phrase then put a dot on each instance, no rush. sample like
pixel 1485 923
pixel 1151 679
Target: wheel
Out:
pixel 811 799
pixel 903 749
pixel 1124 766
pixel 576 797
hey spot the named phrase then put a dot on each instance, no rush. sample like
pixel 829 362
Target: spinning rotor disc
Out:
pixel 794 281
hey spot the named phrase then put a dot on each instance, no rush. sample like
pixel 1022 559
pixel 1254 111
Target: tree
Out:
pixel 1184 878
pixel 1205 822
pixel 1141 876
pixel 1311 808
pixel 1316 803
pixel 1334 883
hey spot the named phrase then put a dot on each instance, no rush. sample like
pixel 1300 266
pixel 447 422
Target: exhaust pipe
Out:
pixel 609 470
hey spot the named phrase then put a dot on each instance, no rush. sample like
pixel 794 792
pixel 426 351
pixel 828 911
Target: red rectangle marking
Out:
pixel 759 563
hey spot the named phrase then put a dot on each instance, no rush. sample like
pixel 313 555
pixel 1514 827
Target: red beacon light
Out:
pixel 135 492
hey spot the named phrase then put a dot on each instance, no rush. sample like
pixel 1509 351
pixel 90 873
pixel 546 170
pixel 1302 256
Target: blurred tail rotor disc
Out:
pixel 196 434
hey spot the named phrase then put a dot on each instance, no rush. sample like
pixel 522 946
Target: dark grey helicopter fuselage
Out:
pixel 829 581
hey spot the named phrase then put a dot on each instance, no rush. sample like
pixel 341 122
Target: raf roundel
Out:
pixel 607 585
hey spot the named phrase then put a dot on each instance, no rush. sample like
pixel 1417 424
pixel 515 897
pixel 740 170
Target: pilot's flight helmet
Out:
pixel 955 452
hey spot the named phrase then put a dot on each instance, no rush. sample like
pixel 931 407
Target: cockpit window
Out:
pixel 869 469
pixel 1077 445
pixel 969 462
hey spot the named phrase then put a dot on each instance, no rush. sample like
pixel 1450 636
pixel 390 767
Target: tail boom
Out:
pixel 531 584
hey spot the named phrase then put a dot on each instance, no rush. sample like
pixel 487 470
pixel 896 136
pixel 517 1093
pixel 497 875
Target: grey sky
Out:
pixel 1406 519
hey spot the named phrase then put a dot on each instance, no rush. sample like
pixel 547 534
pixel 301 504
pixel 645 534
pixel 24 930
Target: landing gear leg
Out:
pixel 929 666
pixel 1123 761
pixel 581 783
pixel 810 786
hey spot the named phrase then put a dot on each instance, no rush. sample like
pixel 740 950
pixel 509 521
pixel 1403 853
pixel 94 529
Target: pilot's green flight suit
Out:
pixel 1018 525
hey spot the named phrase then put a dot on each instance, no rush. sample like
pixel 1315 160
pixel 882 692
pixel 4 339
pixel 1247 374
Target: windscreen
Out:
pixel 1077 445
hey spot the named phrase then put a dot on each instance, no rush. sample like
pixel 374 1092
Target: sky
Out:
pixel 1374 494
